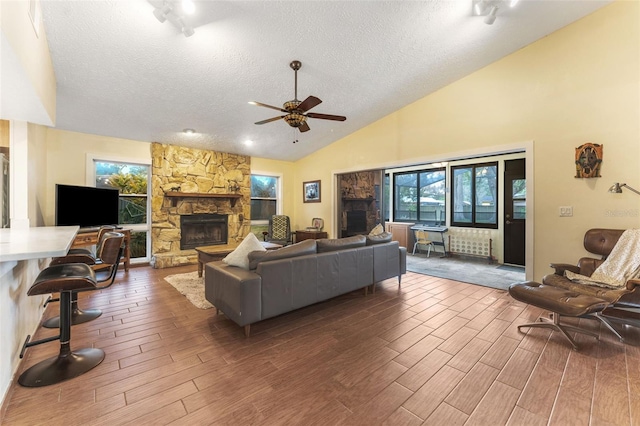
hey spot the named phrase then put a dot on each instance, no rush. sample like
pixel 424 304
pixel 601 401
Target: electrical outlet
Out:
pixel 566 211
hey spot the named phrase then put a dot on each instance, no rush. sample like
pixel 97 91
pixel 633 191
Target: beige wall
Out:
pixel 36 173
pixel 34 61
pixel 286 170
pixel 67 154
pixel 579 84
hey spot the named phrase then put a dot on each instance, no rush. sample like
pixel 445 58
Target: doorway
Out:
pixel 515 197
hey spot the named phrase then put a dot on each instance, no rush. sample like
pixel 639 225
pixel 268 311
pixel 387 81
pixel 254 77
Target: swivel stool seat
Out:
pixel 64 279
pixel 105 266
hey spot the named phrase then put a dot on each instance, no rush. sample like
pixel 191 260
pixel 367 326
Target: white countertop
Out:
pixel 36 243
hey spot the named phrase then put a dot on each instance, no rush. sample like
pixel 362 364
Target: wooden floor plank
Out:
pixel 435 351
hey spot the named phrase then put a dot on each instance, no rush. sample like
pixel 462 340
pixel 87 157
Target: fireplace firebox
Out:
pixel 202 230
pixel 356 222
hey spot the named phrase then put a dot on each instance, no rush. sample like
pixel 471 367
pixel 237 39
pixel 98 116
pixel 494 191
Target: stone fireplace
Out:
pixel 360 201
pixel 203 188
pixel 202 230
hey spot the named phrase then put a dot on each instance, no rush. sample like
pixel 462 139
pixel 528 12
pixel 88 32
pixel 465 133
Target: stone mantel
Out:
pixel 177 194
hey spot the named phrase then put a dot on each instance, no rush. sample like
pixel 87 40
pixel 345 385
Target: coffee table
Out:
pixel 218 252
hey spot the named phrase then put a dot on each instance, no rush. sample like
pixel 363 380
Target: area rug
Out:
pixel 192 287
pixel 468 271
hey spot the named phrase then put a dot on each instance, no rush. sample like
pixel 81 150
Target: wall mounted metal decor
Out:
pixel 588 160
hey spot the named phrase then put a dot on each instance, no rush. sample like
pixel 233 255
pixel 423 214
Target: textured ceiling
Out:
pixel 122 73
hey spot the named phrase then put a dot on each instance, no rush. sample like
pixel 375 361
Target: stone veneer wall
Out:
pixel 354 189
pixel 190 170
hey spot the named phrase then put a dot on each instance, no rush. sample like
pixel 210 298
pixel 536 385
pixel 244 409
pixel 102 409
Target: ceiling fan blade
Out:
pixel 326 116
pixel 304 127
pixel 309 103
pixel 269 120
pixel 268 106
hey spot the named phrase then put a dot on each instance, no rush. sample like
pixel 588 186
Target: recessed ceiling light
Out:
pixel 189 131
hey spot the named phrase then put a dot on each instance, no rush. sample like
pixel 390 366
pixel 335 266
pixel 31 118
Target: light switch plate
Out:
pixel 566 211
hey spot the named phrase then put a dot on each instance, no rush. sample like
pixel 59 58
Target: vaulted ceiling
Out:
pixel 122 73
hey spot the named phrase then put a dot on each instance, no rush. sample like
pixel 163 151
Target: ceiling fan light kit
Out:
pixel 296 111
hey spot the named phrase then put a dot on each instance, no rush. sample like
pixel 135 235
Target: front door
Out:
pixel 515 196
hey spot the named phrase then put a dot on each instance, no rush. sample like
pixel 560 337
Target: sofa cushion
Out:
pixel 326 245
pixel 299 249
pixel 240 256
pixel 385 237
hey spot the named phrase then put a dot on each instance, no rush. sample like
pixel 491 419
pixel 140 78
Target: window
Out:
pixel 519 198
pixel 264 202
pixel 386 206
pixel 132 182
pixel 419 196
pixel 474 195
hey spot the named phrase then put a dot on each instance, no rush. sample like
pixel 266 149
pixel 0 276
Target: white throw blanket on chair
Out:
pixel 622 264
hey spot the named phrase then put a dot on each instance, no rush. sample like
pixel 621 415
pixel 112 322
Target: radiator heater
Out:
pixel 471 242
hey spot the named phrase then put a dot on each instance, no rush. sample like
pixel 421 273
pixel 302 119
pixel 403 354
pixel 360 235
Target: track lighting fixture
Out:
pixel 479 7
pixel 188 7
pixel 491 17
pixel 168 10
pixel 187 30
pixel 162 12
pixel 489 8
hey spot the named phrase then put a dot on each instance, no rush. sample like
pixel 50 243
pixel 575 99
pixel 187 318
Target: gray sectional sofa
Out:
pixel 299 275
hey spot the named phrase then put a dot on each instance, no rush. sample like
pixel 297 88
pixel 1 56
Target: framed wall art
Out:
pixel 311 191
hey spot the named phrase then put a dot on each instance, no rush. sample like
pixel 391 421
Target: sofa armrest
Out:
pixel 234 291
pixel 561 267
pixel 403 260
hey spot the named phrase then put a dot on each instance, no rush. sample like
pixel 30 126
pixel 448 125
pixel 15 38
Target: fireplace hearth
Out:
pixel 198 230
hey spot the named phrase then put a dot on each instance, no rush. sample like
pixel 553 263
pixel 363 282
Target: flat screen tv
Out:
pixel 85 206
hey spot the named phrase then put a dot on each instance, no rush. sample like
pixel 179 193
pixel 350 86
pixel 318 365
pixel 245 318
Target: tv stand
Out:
pixel 90 238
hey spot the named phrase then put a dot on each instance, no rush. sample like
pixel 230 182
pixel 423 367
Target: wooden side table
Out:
pixel 91 238
pixel 310 235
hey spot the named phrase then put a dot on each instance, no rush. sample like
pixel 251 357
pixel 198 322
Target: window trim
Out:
pixel 474 223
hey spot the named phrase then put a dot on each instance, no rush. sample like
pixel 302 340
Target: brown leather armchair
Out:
pixel 600 242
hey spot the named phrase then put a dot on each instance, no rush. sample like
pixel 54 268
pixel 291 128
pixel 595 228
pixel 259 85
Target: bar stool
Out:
pixel 105 266
pixel 64 279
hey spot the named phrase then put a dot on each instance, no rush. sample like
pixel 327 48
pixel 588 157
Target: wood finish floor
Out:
pixel 436 352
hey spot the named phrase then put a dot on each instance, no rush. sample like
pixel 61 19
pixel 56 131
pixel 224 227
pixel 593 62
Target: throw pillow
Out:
pixel 377 230
pixel 240 256
pixel 385 237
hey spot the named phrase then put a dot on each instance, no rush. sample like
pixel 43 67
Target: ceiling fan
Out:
pixel 296 111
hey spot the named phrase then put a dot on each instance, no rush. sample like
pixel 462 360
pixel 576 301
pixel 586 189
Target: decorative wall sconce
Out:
pixel 616 188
